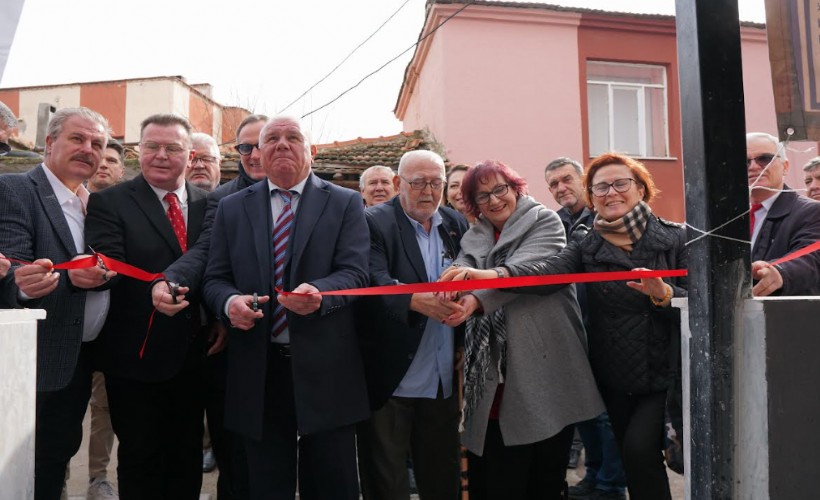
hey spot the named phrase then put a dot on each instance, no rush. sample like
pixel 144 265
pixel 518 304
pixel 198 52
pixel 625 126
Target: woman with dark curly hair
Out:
pixel 632 326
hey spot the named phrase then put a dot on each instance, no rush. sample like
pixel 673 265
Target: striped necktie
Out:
pixel 281 234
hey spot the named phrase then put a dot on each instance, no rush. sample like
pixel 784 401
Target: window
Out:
pixel 626 106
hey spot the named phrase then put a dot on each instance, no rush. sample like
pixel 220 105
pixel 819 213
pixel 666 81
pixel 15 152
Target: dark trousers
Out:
pixel 228 448
pixel 530 471
pixel 637 422
pixel 326 460
pixel 425 428
pixel 59 428
pixel 603 455
pixel 159 425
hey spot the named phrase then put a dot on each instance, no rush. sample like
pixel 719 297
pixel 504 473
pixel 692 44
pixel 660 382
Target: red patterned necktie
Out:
pixel 281 234
pixel 177 220
pixel 755 208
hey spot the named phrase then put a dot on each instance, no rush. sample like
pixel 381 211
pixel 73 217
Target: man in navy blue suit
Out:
pixel 294 365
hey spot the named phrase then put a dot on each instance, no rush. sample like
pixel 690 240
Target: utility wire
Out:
pixel 454 14
pixel 344 60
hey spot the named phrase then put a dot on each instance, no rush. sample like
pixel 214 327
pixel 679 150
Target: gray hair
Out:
pixel 55 126
pixel 204 140
pixel 812 164
pixel 167 120
pixel 291 118
pixel 421 155
pixel 780 150
pixel 374 168
pixel 560 162
pixel 6 116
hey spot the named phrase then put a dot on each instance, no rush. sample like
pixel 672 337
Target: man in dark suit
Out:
pixel 409 351
pixel 295 368
pixel 153 378
pixel 781 222
pixel 42 214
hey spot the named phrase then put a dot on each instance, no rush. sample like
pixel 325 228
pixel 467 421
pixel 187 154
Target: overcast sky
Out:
pixel 260 55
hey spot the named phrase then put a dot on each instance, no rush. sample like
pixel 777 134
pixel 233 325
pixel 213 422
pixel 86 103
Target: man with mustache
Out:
pixel 153 364
pixel 42 213
pixel 780 223
pixel 376 185
pixel 111 169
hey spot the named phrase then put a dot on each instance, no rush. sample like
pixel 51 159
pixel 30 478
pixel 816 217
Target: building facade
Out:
pixel 126 103
pixel 526 83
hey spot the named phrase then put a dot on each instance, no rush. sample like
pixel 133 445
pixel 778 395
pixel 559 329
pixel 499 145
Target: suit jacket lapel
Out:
pixel 196 214
pixel 52 207
pixel 311 206
pixel 147 201
pixel 780 209
pixel 409 242
pixel 258 218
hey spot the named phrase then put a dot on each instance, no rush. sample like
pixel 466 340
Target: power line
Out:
pixel 303 94
pixel 388 62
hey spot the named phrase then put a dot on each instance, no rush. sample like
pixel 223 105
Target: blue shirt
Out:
pixel 433 362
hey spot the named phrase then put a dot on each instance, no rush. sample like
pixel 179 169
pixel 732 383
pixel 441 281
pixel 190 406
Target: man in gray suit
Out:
pixel 42 214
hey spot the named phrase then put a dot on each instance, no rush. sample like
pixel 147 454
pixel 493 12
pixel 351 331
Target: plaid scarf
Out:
pixel 626 231
pixel 484 332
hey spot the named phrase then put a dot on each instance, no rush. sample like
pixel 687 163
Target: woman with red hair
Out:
pixel 525 355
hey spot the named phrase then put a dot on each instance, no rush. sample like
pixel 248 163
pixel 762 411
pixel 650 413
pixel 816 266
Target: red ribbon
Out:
pixel 519 281
pixel 798 253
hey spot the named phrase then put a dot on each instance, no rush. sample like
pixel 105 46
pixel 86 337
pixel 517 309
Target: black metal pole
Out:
pixel 714 150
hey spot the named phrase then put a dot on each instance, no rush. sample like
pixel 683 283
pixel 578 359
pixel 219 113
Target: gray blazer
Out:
pixel 548 382
pixel 34 227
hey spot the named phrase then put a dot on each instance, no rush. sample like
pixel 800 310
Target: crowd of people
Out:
pixel 334 395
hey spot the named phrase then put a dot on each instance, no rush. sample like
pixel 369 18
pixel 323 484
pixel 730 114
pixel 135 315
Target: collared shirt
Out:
pixel 433 362
pixel 182 196
pixel 73 205
pixel 761 214
pixel 277 204
pixel 276 207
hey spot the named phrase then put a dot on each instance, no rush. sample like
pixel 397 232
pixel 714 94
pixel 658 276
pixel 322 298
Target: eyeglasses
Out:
pixel 762 160
pixel 245 149
pixel 206 160
pixel 498 191
pixel 421 184
pixel 620 186
pixel 170 149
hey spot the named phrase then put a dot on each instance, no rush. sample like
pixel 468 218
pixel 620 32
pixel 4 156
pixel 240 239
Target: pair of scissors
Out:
pixel 100 263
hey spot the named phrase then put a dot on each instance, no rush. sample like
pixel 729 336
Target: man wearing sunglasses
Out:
pixel 780 223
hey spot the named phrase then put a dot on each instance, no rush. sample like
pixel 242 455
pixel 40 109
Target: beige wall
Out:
pixel 59 97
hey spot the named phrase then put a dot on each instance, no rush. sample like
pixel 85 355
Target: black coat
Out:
pixel 792 223
pixel 127 222
pixel 390 332
pixel 629 338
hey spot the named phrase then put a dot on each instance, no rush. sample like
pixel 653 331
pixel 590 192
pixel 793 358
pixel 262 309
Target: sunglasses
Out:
pixel 762 160
pixel 246 149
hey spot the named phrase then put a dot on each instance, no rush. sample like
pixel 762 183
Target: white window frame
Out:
pixel 641 105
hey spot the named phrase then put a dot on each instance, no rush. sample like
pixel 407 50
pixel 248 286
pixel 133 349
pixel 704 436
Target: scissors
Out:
pixel 100 263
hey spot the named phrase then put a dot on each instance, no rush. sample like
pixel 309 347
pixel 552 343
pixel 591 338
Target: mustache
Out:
pixel 83 157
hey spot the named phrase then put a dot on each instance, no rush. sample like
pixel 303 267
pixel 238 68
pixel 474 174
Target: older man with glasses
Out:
pixel 410 354
pixel 780 223
pixel 204 168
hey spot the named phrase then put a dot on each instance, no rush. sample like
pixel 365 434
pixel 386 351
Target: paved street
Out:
pixel 78 483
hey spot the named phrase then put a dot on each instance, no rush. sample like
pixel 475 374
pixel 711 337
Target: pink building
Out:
pixel 525 83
